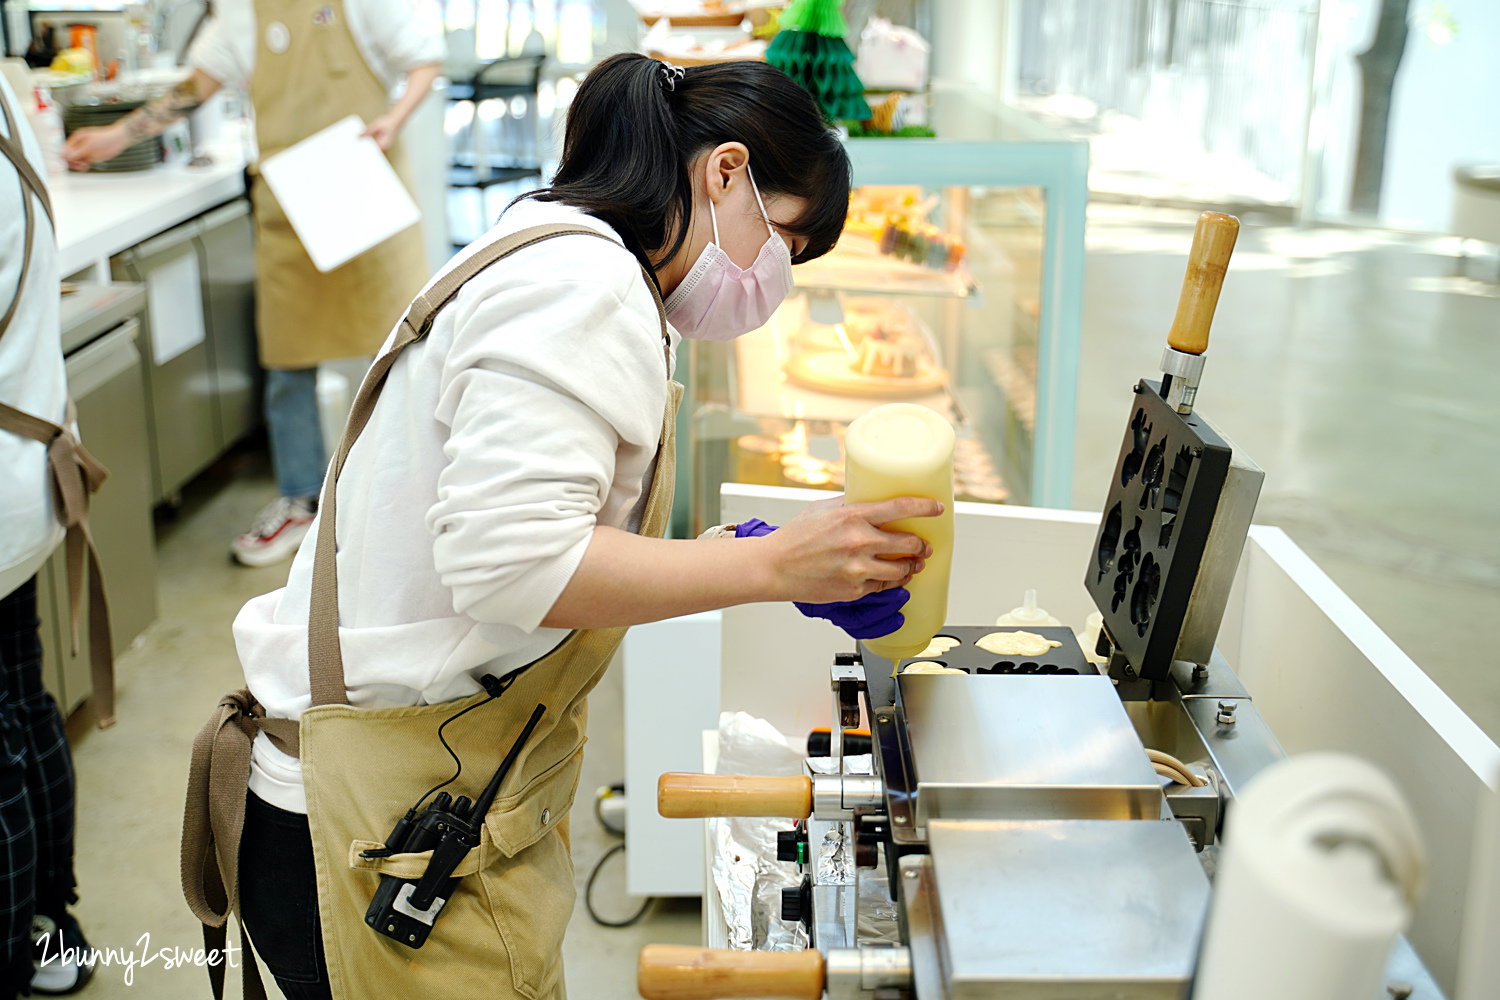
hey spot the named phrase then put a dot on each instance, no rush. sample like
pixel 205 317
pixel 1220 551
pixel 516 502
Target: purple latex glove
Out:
pixel 870 617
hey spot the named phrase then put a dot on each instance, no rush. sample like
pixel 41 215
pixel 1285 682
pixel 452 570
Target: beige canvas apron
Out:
pixel 500 934
pixel 76 475
pixel 304 316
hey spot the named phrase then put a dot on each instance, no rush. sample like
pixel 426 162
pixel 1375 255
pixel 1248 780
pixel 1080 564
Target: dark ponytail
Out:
pixel 636 124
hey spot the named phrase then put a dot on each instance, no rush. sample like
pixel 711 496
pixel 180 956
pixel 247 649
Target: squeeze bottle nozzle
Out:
pixel 1027 614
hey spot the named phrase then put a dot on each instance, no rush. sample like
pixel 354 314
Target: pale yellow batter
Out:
pixel 931 668
pixel 940 645
pixel 1016 644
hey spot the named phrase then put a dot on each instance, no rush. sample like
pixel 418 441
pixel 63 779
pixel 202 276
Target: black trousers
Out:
pixel 36 792
pixel 279 899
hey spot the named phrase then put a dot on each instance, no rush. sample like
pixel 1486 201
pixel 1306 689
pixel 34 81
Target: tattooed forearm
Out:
pixel 152 120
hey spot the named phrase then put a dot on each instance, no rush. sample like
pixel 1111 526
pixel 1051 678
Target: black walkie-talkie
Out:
pixel 404 909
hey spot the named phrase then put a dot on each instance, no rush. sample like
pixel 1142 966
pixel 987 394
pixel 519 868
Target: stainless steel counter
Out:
pixel 101 332
pixel 99 215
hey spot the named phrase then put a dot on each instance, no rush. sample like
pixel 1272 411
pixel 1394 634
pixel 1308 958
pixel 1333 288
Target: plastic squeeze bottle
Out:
pixel 1089 638
pixel 896 450
pixel 1027 614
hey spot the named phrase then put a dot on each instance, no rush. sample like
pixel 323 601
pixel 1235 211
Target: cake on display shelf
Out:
pixel 880 349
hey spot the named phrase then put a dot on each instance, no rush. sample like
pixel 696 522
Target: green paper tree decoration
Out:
pixel 822 17
pixel 810 49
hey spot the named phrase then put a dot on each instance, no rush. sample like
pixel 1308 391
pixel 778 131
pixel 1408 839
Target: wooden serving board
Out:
pixel 830 372
pixel 726 20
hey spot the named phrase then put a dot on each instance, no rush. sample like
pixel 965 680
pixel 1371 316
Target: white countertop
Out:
pixel 99 215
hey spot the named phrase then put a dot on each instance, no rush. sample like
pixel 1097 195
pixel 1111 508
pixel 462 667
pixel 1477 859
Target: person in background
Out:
pixel 309 64
pixel 36 766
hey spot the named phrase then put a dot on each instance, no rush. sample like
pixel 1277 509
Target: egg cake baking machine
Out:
pixel 1033 847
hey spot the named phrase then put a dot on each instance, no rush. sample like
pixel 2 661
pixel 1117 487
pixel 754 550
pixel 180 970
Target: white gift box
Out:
pixel 892 57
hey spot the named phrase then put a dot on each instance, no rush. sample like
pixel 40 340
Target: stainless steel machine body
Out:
pixel 1027 838
pixel 999 899
pixel 1025 747
pixel 1075 909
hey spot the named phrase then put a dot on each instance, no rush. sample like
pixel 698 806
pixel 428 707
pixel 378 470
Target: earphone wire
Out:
pixel 458 764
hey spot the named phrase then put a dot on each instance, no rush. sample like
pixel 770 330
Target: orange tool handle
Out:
pixel 683 972
pixel 1213 242
pixel 692 796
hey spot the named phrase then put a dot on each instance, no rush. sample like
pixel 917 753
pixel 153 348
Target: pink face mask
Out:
pixel 719 300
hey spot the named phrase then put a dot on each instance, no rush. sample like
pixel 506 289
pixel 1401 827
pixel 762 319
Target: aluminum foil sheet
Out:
pixel 746 873
pixel 734 879
pixel 835 862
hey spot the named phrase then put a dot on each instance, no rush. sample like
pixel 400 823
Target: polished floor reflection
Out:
pixel 1361 370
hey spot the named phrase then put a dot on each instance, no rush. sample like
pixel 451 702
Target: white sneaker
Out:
pixel 63 962
pixel 276 533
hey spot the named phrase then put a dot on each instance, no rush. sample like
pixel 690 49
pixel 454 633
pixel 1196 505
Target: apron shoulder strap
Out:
pixel 31 184
pixel 325 658
pixel 10 145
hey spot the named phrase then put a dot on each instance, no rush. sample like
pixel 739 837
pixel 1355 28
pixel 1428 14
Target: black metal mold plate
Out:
pixel 1066 659
pixel 1162 499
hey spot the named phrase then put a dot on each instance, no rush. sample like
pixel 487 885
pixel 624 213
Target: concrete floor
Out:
pixel 1357 368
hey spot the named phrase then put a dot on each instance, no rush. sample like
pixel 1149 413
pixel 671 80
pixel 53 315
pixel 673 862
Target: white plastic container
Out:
pixel 1321 867
pixel 1089 638
pixel 46 122
pixel 334 402
pixel 1479 962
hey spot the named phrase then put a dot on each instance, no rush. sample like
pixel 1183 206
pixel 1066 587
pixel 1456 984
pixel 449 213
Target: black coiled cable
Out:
pixel 588 888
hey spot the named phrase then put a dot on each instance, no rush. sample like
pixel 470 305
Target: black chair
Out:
pixel 502 79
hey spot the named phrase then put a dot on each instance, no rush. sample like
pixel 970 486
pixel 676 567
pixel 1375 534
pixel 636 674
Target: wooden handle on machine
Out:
pixel 1213 242
pixel 692 796
pixel 683 972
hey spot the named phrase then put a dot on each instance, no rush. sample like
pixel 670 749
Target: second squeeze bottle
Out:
pixel 897 450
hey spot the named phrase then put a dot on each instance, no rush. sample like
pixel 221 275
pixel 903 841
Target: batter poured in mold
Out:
pixel 939 645
pixel 1016 644
pixel 928 667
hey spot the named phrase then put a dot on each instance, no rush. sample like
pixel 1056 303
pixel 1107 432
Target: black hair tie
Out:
pixel 670 75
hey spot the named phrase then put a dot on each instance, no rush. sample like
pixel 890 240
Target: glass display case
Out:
pixel 957 284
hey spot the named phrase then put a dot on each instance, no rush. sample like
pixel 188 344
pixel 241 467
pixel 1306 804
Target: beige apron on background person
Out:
pixel 500 934
pixel 302 315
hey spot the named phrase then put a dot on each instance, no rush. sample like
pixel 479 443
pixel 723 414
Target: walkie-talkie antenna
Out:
pixel 486 797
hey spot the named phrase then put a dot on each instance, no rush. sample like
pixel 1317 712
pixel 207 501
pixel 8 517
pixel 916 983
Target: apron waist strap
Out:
pixel 76 475
pixel 215 817
pixel 215 813
pixel 216 940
